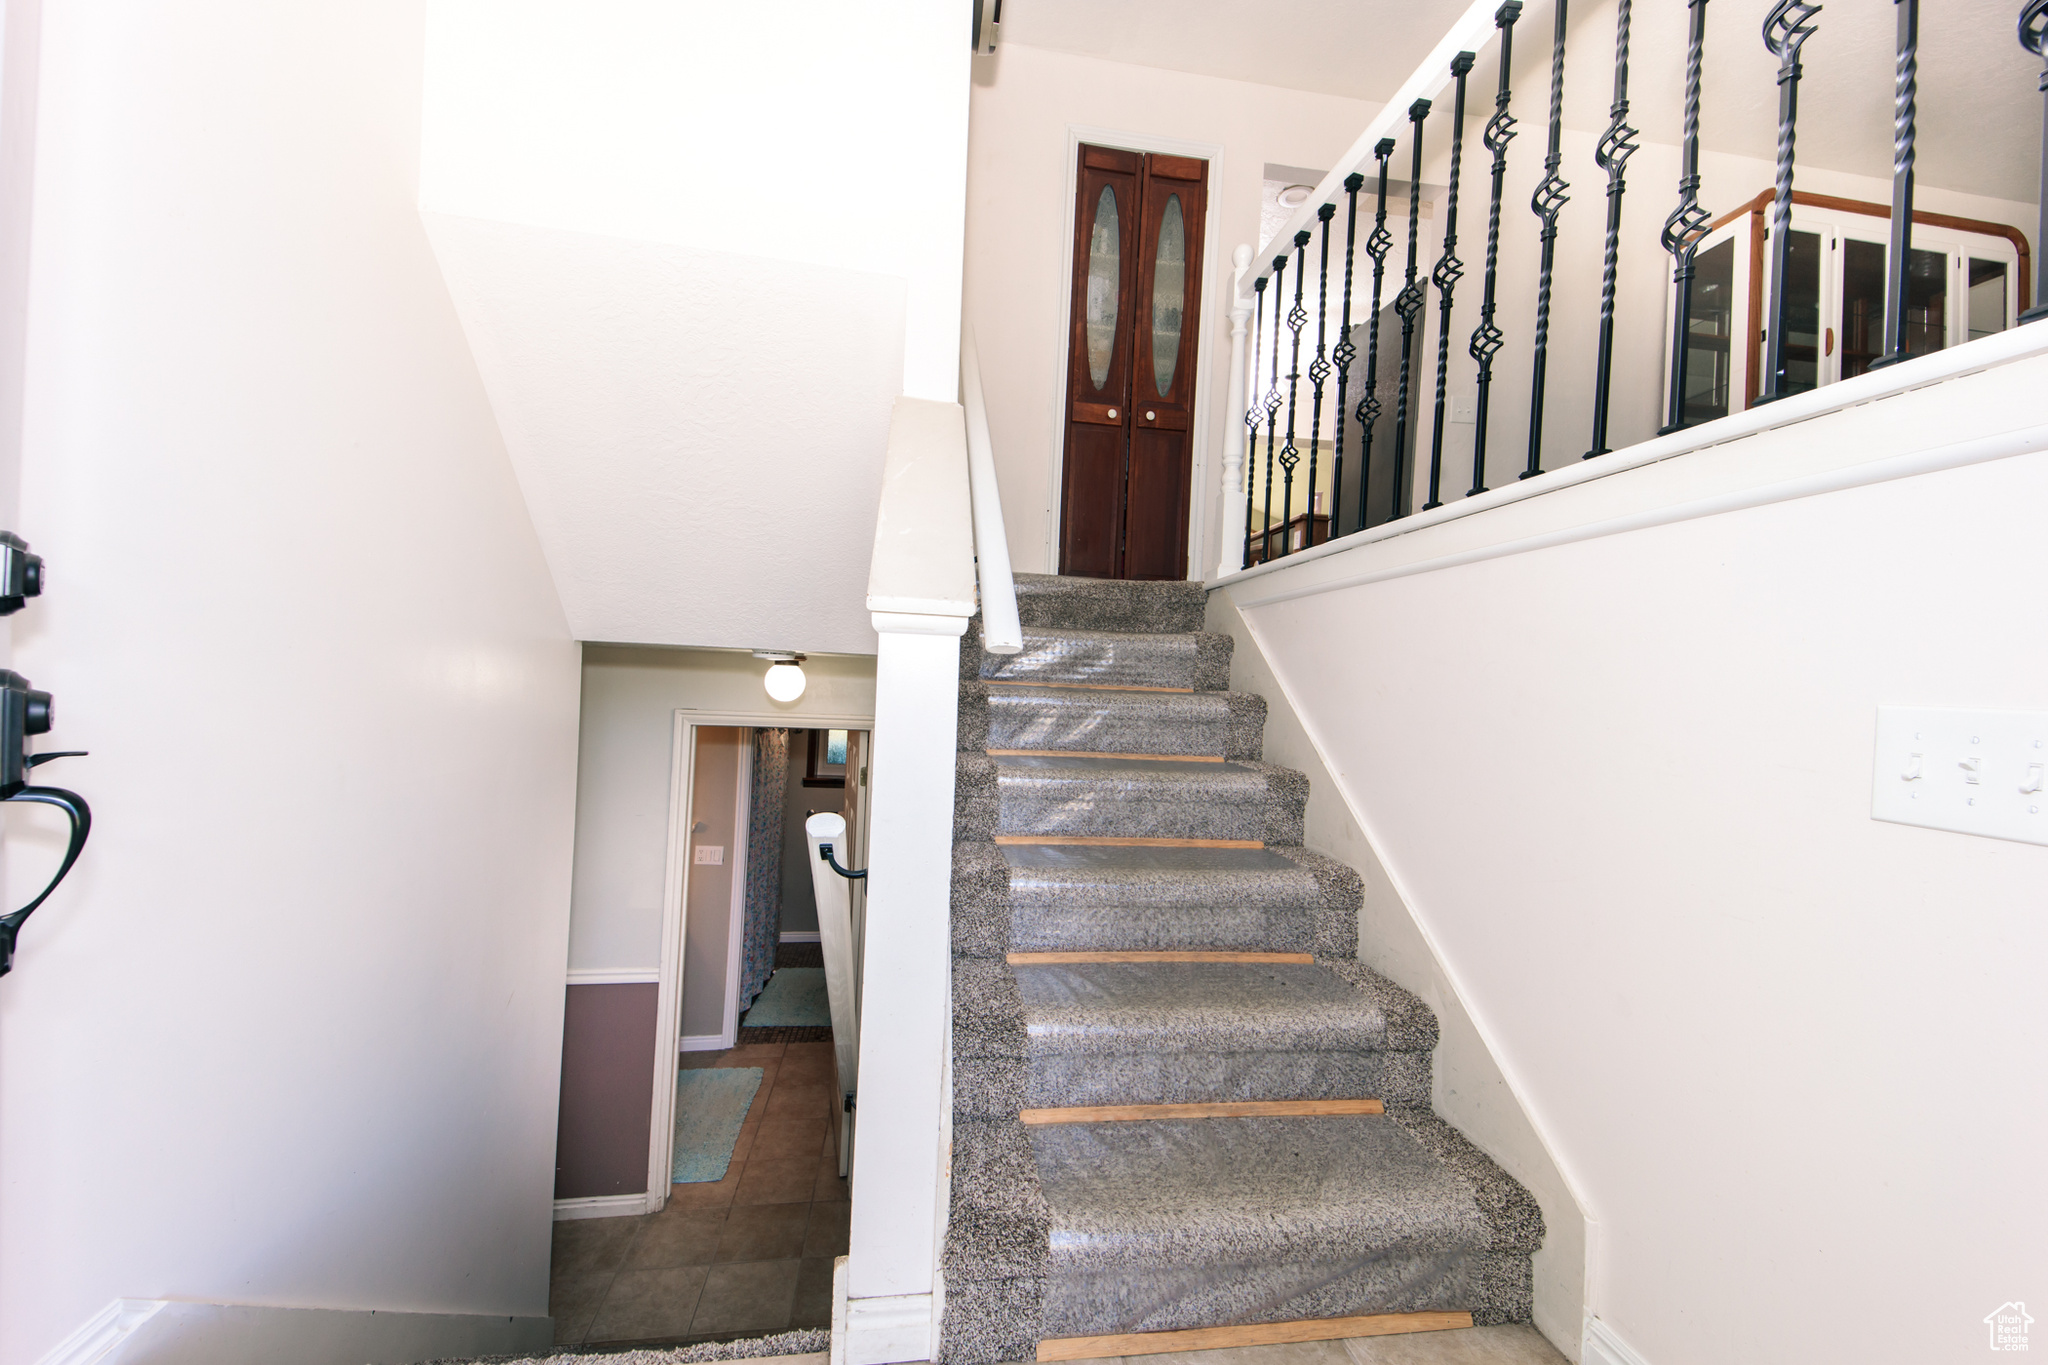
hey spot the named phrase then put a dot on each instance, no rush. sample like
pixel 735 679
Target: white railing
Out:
pixel 938 536
pixel 1000 632
pixel 839 935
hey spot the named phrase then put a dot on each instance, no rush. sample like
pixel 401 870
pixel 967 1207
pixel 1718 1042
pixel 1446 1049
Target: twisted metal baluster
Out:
pixel 1617 145
pixel 1251 413
pixel 1297 318
pixel 1407 304
pixel 1786 30
pixel 1549 198
pixel 1343 353
pixel 1449 270
pixel 1377 244
pixel 1487 339
pixel 1905 116
pixel 2034 38
pixel 1273 402
pixel 1318 370
pixel 1687 224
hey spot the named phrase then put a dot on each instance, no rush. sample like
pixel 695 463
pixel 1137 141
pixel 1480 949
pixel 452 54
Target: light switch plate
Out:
pixel 714 854
pixel 1972 772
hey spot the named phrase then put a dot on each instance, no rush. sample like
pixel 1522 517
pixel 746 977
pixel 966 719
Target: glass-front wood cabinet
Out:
pixel 1966 280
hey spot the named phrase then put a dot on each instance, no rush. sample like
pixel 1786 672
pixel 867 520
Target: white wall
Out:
pixel 699 250
pixel 630 697
pixel 290 1033
pixel 1020 176
pixel 1624 784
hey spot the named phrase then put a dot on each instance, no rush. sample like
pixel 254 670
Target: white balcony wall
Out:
pixel 290 1033
pixel 1624 785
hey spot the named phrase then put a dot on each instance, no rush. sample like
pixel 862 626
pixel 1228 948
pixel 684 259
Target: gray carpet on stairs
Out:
pixel 1096 1228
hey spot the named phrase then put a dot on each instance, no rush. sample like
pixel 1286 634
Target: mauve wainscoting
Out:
pixel 607 1056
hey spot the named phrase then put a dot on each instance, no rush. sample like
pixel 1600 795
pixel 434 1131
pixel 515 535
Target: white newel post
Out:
pixel 1234 474
pixel 921 591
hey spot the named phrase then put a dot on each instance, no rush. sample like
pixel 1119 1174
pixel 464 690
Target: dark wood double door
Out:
pixel 1135 307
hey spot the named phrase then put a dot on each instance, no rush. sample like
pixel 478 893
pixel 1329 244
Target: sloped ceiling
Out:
pixel 699 436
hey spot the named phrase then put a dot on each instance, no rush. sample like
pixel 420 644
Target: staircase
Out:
pixel 1136 923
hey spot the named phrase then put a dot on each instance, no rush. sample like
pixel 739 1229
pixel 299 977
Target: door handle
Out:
pixel 74 807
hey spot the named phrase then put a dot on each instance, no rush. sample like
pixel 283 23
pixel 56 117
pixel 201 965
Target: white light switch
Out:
pixel 1973 772
pixel 713 854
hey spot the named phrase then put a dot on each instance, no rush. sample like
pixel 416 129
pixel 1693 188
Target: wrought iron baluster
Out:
pixel 1549 198
pixel 1487 339
pixel 1449 270
pixel 1343 353
pixel 1616 146
pixel 1905 117
pixel 1377 244
pixel 1318 372
pixel 1273 402
pixel 1297 318
pixel 2034 38
pixel 1688 222
pixel 1251 413
pixel 1407 304
pixel 1786 29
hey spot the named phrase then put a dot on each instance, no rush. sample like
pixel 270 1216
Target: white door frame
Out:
pixel 668 1009
pixel 1213 297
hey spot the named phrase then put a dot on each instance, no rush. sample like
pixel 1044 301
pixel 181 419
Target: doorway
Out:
pixel 1134 324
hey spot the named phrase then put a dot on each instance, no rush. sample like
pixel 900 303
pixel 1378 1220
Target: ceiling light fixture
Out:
pixel 1294 196
pixel 785 676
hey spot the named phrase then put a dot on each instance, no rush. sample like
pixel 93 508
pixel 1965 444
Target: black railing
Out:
pixel 1371 472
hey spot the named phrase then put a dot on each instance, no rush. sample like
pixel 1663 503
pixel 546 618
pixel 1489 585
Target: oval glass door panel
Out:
pixel 1169 293
pixel 1105 276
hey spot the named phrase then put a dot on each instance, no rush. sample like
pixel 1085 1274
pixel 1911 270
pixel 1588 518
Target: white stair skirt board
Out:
pixel 799 936
pixel 600 1206
pixel 838 1356
pixel 1603 1347
pixel 102 1332
pixel 166 1332
pixel 886 1330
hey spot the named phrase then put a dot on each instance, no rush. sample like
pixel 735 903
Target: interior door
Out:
pixel 1127 475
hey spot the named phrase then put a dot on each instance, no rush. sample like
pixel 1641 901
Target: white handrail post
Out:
pixel 1235 475
pixel 827 829
pixel 921 594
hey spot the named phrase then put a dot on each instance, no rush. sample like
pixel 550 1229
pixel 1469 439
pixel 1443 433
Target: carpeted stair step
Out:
pixel 1067 1035
pixel 1062 897
pixel 1166 1225
pixel 1115 798
pixel 1199 661
pixel 1103 720
pixel 1059 603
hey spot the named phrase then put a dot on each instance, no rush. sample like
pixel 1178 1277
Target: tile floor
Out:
pixel 747 1255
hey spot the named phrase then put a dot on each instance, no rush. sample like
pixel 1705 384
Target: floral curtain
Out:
pixel 764 862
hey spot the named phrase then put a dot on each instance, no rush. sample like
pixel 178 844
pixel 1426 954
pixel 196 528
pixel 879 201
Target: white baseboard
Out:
pixel 170 1332
pixel 887 1330
pixel 102 1332
pixel 1603 1347
pixel 706 1042
pixel 600 1206
pixel 800 936
pixel 613 976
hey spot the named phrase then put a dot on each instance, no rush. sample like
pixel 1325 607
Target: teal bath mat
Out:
pixel 795 998
pixel 711 1104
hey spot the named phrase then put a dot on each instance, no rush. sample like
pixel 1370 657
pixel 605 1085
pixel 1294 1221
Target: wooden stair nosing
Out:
pixel 1250 1334
pixel 1220 1109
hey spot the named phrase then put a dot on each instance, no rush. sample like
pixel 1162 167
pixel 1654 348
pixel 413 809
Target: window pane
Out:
pixel 1800 352
pixel 1862 305
pixel 1710 327
pixel 1169 293
pixel 1105 280
pixel 1927 302
pixel 1987 298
